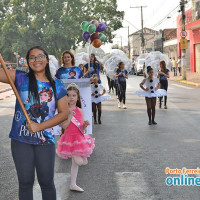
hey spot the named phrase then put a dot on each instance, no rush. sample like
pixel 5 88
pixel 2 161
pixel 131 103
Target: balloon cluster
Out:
pixel 93 32
pixel 23 62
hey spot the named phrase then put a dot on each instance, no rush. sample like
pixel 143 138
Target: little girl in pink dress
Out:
pixel 75 143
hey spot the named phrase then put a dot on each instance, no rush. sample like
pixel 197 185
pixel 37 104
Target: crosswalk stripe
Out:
pixel 2 109
pixel 61 183
pixel 5 107
pixel 182 86
pixel 129 86
pixel 132 186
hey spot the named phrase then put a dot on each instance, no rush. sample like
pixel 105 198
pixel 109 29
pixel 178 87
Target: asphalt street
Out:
pixel 130 157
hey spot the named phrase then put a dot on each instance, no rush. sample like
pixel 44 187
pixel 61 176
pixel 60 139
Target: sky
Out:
pixel 154 12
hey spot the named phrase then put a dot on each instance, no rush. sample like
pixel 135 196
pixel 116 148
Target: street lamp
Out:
pixel 17 57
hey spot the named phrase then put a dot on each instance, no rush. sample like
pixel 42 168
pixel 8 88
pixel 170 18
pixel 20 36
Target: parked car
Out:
pixel 139 66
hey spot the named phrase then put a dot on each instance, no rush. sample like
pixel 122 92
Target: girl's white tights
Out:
pixel 76 162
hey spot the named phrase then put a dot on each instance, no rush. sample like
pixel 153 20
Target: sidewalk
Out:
pixel 193 78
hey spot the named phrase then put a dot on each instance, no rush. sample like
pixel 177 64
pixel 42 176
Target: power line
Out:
pixel 163 19
pixel 131 24
pixel 173 12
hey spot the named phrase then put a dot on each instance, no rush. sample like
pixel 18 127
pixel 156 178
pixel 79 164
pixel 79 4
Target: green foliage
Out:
pixel 52 24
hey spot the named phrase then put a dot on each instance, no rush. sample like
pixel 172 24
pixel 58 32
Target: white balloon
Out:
pixel 153 59
pixel 53 65
pixel 112 60
pixel 81 58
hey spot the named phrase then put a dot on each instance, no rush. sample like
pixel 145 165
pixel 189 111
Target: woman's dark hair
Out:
pixel 163 65
pixel 95 61
pixel 149 68
pixel 72 56
pixel 33 89
pixel 119 65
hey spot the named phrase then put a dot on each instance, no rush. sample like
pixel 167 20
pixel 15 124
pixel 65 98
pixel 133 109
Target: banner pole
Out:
pixel 89 53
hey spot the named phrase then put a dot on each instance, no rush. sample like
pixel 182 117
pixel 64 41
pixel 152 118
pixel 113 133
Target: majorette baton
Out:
pixel 15 90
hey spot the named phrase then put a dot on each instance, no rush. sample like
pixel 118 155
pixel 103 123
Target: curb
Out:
pixel 186 82
pixel 189 83
pixel 5 90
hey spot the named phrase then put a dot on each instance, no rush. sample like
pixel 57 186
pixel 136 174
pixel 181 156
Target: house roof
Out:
pixel 145 31
pixel 170 33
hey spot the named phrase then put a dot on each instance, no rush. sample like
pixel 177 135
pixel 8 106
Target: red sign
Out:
pixel 183 34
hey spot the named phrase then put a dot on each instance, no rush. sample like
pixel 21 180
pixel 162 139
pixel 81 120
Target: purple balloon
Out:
pixel 86 36
pixel 101 27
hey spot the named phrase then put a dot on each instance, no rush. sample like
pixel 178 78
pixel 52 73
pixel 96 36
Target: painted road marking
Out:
pixel 129 86
pixel 2 109
pixel 5 107
pixel 132 186
pixel 62 187
pixel 6 94
pixel 171 88
pixel 7 104
pixel 188 88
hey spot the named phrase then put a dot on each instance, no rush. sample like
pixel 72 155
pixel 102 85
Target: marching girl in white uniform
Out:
pixel 150 90
pixel 98 95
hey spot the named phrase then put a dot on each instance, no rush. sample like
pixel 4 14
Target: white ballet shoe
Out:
pixel 76 188
pixel 85 161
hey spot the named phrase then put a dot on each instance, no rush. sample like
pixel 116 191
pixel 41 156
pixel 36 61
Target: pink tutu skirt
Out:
pixel 77 144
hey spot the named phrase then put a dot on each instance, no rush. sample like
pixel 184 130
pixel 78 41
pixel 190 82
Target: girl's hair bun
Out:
pixel 149 68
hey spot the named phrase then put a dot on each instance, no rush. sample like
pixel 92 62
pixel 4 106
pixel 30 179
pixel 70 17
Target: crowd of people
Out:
pixel 49 103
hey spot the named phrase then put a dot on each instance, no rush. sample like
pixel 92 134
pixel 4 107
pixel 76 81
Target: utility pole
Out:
pixel 183 50
pixel 129 50
pixel 129 54
pixel 142 31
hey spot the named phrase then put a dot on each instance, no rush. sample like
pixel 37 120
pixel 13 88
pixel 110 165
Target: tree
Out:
pixel 52 24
